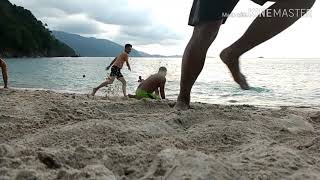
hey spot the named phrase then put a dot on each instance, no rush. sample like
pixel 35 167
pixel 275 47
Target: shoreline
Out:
pixel 316 107
pixel 48 135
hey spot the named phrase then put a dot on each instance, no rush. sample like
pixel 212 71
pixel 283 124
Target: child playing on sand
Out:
pixel 3 67
pixel 149 88
pixel 117 65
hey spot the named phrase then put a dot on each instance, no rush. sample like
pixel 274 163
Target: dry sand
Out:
pixel 47 135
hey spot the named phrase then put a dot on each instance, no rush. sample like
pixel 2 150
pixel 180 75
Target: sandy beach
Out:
pixel 50 136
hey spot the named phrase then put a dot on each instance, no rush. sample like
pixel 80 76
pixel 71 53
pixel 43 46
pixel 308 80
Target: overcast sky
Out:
pixel 160 26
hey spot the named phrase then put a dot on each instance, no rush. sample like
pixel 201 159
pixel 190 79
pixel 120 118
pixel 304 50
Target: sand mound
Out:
pixel 47 135
pixel 176 164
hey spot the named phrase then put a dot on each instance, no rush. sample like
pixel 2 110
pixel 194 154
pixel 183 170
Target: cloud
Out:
pixel 106 11
pixel 162 25
pixel 147 35
pixel 78 24
pixel 118 20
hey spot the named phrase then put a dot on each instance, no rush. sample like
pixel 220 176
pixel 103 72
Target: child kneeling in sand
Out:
pixel 149 88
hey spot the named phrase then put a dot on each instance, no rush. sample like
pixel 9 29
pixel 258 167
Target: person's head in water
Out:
pixel 128 48
pixel 162 71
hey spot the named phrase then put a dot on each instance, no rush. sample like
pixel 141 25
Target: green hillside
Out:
pixel 22 35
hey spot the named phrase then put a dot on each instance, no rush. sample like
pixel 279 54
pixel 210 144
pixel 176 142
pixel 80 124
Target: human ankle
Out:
pixel 184 99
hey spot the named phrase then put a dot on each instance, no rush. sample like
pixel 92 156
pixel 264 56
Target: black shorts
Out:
pixel 212 10
pixel 116 72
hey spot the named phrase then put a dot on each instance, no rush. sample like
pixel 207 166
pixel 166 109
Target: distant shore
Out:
pixel 8 55
pixel 49 135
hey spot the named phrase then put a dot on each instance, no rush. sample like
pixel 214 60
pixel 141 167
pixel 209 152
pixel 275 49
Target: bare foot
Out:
pixel 233 64
pixel 182 105
pixel 125 98
pixel 94 90
pixel 131 96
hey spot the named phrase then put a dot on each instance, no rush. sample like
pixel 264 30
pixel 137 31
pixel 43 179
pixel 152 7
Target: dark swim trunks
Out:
pixel 116 72
pixel 212 10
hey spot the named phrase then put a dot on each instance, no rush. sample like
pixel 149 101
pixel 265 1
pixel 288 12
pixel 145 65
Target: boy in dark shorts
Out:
pixel 208 15
pixel 116 66
pixel 152 86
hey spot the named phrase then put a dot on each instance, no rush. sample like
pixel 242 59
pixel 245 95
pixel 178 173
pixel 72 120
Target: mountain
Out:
pixel 92 47
pixel 21 34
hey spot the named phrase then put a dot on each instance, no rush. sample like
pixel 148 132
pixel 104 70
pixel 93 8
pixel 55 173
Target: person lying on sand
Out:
pixel 117 65
pixel 4 71
pixel 149 88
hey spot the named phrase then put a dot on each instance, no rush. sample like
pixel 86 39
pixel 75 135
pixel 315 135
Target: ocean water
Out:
pixel 274 82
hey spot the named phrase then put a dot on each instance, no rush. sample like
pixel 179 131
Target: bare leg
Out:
pixel 105 83
pixel 4 73
pixel 124 86
pixel 194 58
pixel 132 96
pixel 261 30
